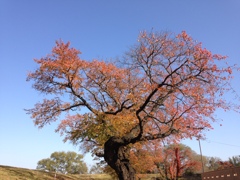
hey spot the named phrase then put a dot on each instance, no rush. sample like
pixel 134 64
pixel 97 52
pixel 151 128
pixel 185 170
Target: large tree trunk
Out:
pixel 116 155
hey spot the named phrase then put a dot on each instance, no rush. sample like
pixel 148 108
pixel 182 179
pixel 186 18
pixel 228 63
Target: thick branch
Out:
pixel 121 108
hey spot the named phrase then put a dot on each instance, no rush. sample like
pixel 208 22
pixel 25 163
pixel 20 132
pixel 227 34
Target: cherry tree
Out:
pixel 166 86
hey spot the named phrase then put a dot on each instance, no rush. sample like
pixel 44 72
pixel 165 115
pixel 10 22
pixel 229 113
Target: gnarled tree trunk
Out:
pixel 116 155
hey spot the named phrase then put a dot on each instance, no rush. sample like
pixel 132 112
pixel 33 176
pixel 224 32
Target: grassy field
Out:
pixel 13 173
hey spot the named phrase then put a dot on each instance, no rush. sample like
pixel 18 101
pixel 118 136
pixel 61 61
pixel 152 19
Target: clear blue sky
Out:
pixel 100 29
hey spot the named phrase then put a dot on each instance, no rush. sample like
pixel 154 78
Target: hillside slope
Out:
pixel 13 173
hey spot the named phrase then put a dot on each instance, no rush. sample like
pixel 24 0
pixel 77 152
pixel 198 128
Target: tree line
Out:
pixel 169 162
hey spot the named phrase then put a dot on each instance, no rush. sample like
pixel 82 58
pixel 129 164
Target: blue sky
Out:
pixel 101 29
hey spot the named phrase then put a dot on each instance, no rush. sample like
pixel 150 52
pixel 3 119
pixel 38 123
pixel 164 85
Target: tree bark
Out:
pixel 178 163
pixel 116 155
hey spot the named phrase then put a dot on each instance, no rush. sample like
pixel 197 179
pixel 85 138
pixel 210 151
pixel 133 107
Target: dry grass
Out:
pixel 13 173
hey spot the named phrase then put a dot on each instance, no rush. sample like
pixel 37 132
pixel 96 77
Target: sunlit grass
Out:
pixel 14 173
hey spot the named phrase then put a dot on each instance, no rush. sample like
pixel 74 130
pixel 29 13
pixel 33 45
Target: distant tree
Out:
pixel 96 169
pixel 166 86
pixel 146 157
pixel 235 160
pixel 170 162
pixel 224 164
pixel 212 163
pixel 64 162
pixel 215 163
pixel 179 159
pixel 47 165
pixel 101 167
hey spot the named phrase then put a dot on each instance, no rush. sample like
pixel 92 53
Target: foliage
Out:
pixel 96 169
pixel 101 167
pixel 146 157
pixel 170 162
pixel 235 160
pixel 224 164
pixel 179 159
pixel 167 86
pixel 212 163
pixel 215 163
pixel 63 162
